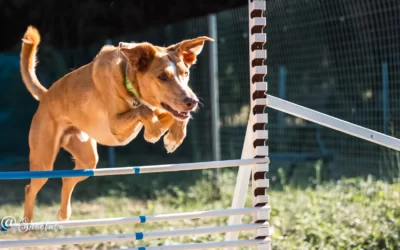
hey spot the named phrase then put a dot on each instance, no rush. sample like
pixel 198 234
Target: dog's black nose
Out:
pixel 190 102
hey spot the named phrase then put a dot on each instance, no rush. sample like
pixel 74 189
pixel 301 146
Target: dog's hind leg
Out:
pixel 44 138
pixel 86 157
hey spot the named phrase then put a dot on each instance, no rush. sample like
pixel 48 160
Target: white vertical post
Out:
pixel 214 87
pixel 242 186
pixel 256 135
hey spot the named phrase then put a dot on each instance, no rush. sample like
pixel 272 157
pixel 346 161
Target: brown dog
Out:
pixel 107 101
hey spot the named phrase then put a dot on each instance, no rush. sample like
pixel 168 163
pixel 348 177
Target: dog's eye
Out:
pixel 186 74
pixel 163 77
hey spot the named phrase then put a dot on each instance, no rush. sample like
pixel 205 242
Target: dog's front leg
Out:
pixel 123 124
pixel 175 136
pixel 176 133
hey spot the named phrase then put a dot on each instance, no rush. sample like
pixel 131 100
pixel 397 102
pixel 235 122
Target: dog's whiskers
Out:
pixel 200 101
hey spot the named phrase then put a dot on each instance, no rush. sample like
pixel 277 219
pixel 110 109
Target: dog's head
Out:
pixel 162 74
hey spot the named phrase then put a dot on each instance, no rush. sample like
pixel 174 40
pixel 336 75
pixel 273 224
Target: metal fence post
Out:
pixel 385 96
pixel 214 87
pixel 282 95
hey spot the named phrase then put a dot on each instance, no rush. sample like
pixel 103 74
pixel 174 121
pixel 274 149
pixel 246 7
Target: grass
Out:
pixel 347 214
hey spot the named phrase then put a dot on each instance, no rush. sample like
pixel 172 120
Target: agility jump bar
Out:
pixel 333 122
pixel 138 219
pixel 132 236
pixel 208 245
pixel 129 170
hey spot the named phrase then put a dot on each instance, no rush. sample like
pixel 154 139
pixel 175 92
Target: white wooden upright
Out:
pixel 256 134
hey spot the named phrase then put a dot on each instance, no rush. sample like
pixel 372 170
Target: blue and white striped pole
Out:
pixel 208 245
pixel 129 170
pixel 126 237
pixel 11 225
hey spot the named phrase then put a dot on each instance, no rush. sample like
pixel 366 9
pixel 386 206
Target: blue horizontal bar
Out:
pixel 46 174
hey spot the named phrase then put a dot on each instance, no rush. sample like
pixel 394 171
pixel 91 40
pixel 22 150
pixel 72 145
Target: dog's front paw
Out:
pixel 63 216
pixel 154 132
pixel 151 138
pixel 170 143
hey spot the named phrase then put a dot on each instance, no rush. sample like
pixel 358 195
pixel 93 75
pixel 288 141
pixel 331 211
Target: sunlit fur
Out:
pixel 91 105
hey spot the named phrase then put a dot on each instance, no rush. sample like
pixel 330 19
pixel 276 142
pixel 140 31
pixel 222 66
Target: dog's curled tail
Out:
pixel 28 62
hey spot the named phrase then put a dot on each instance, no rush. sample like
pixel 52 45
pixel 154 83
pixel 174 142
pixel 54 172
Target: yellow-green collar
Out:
pixel 129 86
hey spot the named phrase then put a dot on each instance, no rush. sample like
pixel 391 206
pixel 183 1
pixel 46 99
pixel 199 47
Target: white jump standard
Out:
pixel 255 135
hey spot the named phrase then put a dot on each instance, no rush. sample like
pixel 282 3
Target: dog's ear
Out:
pixel 139 55
pixel 189 49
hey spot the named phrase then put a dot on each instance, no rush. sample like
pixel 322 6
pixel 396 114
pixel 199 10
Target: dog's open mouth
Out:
pixel 177 114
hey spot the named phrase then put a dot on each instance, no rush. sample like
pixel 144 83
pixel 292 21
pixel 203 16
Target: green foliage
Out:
pixel 349 214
